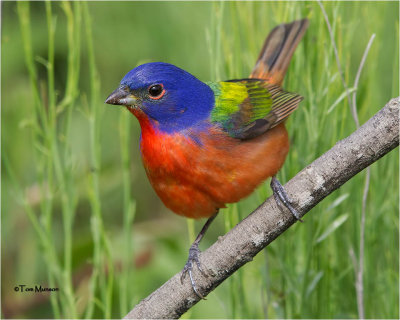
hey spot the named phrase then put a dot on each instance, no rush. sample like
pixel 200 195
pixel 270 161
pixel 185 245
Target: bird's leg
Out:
pixel 281 197
pixel 194 252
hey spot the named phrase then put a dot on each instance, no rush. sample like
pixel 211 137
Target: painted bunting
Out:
pixel 206 144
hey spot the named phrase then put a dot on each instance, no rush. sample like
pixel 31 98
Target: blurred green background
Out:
pixel 78 212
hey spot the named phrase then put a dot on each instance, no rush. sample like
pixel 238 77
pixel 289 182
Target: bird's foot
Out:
pixel 281 197
pixel 193 258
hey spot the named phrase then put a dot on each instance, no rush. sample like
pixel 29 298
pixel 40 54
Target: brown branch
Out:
pixel 349 156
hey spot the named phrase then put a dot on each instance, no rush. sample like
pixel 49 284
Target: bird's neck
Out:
pixel 154 141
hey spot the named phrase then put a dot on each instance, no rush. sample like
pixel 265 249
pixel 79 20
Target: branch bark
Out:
pixel 370 142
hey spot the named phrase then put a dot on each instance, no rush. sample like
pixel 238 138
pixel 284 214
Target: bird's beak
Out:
pixel 122 96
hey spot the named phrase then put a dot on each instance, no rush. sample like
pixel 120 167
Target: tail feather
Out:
pixel 277 51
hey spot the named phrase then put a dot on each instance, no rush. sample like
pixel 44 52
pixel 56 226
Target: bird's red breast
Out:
pixel 195 179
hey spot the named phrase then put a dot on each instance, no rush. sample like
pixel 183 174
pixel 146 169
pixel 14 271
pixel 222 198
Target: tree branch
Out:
pixel 373 140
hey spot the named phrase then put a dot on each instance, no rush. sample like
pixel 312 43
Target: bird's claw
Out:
pixel 193 257
pixel 282 198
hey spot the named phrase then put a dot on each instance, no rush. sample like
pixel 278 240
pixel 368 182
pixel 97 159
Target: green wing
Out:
pixel 249 107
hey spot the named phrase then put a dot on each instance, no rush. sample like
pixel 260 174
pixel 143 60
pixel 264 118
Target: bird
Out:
pixel 207 144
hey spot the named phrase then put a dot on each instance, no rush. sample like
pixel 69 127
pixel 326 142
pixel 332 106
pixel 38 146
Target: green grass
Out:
pixel 78 211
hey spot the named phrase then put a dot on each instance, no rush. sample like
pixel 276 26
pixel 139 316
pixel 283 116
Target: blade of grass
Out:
pixel 129 207
pixel 106 282
pixel 41 130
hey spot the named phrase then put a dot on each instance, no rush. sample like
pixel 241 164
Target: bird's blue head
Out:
pixel 171 98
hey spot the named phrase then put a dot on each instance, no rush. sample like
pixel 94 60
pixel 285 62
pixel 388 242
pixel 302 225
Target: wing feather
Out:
pixel 247 108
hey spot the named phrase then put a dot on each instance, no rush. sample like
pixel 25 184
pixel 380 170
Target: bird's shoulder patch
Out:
pixel 246 108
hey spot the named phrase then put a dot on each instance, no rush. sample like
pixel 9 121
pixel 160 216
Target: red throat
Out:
pixel 144 121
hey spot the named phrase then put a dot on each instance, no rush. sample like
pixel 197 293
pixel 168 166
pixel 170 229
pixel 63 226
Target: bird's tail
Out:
pixel 277 51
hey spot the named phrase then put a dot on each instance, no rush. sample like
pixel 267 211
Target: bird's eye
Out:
pixel 156 91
